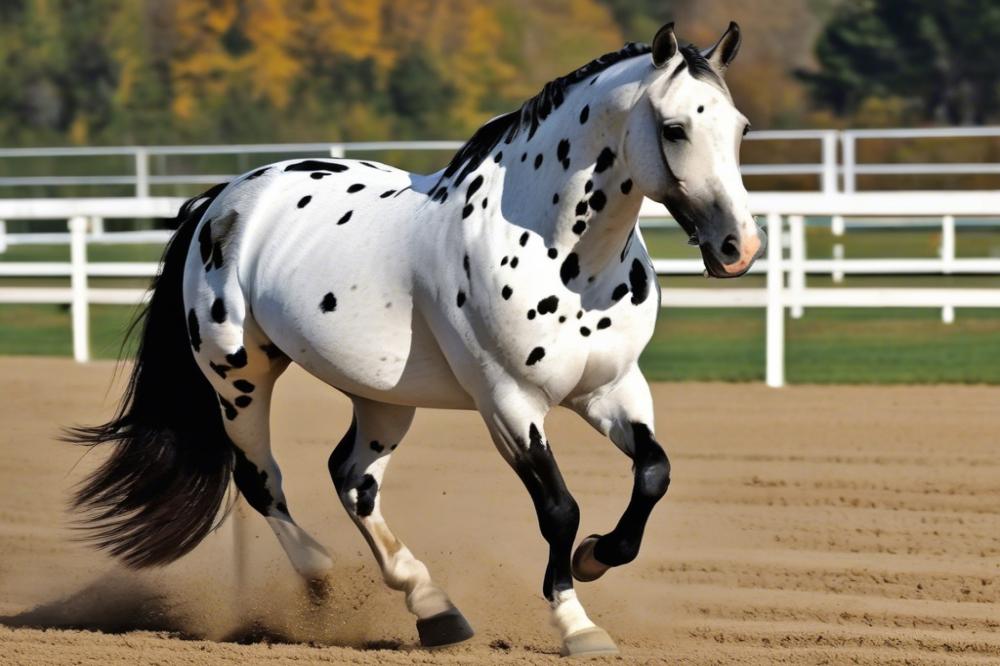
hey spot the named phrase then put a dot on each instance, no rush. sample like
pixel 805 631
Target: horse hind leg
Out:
pixel 357 467
pixel 242 367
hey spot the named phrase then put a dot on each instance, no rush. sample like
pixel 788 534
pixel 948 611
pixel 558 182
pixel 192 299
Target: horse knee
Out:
pixel 559 519
pixel 652 467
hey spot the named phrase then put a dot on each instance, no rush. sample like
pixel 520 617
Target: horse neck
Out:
pixel 579 198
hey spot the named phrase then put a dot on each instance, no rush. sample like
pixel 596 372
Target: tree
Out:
pixel 938 57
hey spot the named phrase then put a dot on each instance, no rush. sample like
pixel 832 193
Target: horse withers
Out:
pixel 512 281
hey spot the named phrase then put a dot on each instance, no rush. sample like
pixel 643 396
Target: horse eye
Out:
pixel 674 133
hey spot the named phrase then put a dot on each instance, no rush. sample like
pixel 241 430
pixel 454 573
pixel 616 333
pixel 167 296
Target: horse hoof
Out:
pixel 445 628
pixel 586 567
pixel 592 642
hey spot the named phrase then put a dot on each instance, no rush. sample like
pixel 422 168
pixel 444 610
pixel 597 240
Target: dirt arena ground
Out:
pixel 812 525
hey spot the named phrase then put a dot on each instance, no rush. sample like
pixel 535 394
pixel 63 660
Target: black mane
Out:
pixel 532 112
pixel 699 66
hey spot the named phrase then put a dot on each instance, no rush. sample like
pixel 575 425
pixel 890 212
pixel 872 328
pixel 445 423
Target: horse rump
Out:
pixel 159 492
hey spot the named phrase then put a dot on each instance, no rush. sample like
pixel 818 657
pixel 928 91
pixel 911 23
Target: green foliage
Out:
pixel 939 58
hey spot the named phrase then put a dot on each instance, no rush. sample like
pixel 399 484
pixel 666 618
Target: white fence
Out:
pixel 837 167
pixel 782 210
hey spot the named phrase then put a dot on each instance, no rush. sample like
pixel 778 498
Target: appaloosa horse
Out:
pixel 510 282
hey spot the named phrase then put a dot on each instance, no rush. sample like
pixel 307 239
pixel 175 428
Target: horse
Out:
pixel 512 281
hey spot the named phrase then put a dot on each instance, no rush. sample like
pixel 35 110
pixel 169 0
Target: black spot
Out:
pixel 367 491
pixel 581 208
pixel 555 198
pixel 700 109
pixel 467 211
pixel 506 292
pixel 562 153
pixel 584 331
pixel 640 282
pixel 319 175
pixel 304 201
pixel 548 305
pixel 329 302
pixel 465 266
pixel 553 253
pixel 562 319
pixel 513 262
pixel 598 200
pixel 272 351
pixel 219 369
pixel 252 483
pixel 237 359
pixel 228 408
pixel 588 186
pixel 603 323
pixel 484 202
pixel 243 401
pixel 503 262
pixel 372 166
pixel 218 311
pixel 538 160
pixel 316 165
pixel 376 447
pixel 498 157
pixel 531 313
pixel 570 268
pixel 243 386
pixel 356 187
pixel 387 194
pixel 604 160
pixel 619 292
pixel 579 314
pixel 205 243
pixel 476 183
pixel 194 334
pixel 524 239
pixel 585 112
pixel 346 217
pixel 627 186
pixel 536 355
pixel 216 256
pixel 460 300
pixel 258 173
pixel 627 241
pixel 524 156
pixel 579 227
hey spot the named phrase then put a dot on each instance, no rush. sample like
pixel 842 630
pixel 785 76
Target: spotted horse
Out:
pixel 512 281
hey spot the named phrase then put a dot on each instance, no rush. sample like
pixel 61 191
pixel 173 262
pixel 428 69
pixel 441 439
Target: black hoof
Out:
pixel 444 628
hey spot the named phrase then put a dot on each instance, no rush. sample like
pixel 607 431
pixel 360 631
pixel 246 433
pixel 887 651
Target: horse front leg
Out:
pixel 625 415
pixel 517 431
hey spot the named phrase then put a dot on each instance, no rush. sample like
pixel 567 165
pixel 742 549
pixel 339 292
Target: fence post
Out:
pixel 3 236
pixel 141 173
pixel 948 260
pixel 78 284
pixel 838 263
pixel 848 141
pixel 829 153
pixel 337 150
pixel 797 261
pixel 775 348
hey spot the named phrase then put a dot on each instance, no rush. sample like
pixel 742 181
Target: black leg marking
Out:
pixel 243 401
pixel 237 359
pixel 652 478
pixel 252 482
pixel 347 478
pixel 220 370
pixel 243 386
pixel 228 408
pixel 272 351
pixel 570 268
pixel 367 491
pixel 558 513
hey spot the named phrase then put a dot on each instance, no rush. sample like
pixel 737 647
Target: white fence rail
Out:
pixel 782 210
pixel 837 168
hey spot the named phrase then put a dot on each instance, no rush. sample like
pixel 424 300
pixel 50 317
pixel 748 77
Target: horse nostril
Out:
pixel 730 248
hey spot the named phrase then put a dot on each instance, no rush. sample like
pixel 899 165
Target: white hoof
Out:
pixel 590 642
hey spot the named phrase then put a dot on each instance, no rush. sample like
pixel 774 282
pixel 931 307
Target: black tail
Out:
pixel 158 494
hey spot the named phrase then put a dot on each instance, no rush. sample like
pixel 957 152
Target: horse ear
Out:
pixel 725 50
pixel 664 45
